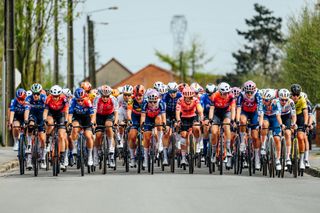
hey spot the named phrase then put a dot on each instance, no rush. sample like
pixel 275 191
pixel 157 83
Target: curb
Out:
pixel 313 172
pixel 8 165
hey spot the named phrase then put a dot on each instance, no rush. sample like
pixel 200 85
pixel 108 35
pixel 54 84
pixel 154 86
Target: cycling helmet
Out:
pixel 210 88
pixel 29 93
pixel 284 94
pixel 93 94
pixel 138 90
pixel 162 89
pixel 21 94
pixel 196 87
pixel 79 93
pixel 157 85
pixel 105 90
pixel 188 92
pixel 182 86
pixel 172 87
pixel 235 91
pixel 303 94
pixel 120 89
pixel 295 89
pixel 249 86
pixel 224 87
pixel 86 86
pixel 269 94
pixel 67 92
pixel 115 92
pixel 153 95
pixel 36 88
pixel 127 89
pixel 55 90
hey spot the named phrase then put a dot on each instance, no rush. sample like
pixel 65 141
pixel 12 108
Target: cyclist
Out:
pixel 272 120
pixel 310 127
pixel 86 86
pixel 170 99
pixel 134 115
pixel 206 103
pixel 56 111
pixel 81 113
pixel 222 111
pixel 34 113
pixel 249 106
pixel 124 99
pixel 289 118
pixel 16 116
pixel 106 115
pixel 188 105
pixel 152 112
pixel 302 121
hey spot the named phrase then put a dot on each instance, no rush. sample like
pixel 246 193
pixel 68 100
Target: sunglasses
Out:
pixel 266 100
pixel 105 96
pixel 152 102
pixel 80 100
pixel 225 93
pixel 126 94
pixel 36 94
pixel 249 93
pixel 295 95
pixel 139 96
pixel 283 100
pixel 172 92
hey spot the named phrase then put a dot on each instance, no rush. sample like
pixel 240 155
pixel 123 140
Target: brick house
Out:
pixel 147 76
pixel 111 73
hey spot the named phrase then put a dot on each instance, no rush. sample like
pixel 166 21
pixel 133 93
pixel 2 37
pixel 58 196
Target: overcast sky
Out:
pixel 139 27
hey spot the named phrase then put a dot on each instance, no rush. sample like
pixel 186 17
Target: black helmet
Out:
pixel 295 89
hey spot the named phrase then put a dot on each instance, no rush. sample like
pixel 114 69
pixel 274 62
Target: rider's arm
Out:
pixel 45 114
pixel 178 110
pixel 233 112
pixel 116 117
pixel 200 111
pixel 305 116
pixel 143 118
pixel 11 117
pixel 211 112
pixel 11 110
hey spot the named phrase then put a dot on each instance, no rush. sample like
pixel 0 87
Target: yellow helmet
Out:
pixel 115 92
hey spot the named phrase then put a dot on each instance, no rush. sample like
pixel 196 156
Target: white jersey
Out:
pixel 288 108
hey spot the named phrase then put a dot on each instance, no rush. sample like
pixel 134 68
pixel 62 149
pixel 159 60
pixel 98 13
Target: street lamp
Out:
pixel 91 49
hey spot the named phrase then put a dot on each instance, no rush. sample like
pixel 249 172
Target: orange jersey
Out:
pixel 187 110
pixel 223 103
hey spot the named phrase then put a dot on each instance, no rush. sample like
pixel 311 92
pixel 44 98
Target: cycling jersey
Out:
pixel 171 103
pixel 187 110
pixel 153 111
pixel 252 104
pixel 205 103
pixel 221 103
pixel 288 108
pixel 301 104
pixel 85 108
pixel 36 106
pixel 122 103
pixel 17 106
pixel 135 107
pixel 273 109
pixel 106 108
pixel 58 106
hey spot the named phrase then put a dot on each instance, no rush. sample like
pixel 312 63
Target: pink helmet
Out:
pixel 249 86
pixel 153 95
pixel 188 92
pixel 235 91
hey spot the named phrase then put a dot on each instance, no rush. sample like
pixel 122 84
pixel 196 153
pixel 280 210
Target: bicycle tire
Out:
pixel 126 152
pixel 139 153
pixel 191 151
pixel 152 154
pixel 105 154
pixel 249 157
pixel 81 155
pixel 272 159
pixel 21 154
pixel 208 157
pixel 55 160
pixel 221 154
pixel 283 158
pixel 35 157
pixel 295 166
pixel 173 152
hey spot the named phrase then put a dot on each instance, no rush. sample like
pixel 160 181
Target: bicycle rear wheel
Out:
pixel 139 154
pixel 249 157
pixel 191 154
pixel 152 154
pixel 105 154
pixel 295 164
pixel 81 155
pixel 35 157
pixel 173 152
pixel 283 158
pixel 271 158
pixel 221 154
pixel 21 155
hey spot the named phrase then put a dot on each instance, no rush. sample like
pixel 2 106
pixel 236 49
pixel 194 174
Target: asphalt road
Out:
pixel 162 192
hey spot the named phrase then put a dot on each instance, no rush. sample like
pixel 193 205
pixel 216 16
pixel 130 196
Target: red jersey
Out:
pixel 221 102
pixel 106 108
pixel 187 110
pixel 59 105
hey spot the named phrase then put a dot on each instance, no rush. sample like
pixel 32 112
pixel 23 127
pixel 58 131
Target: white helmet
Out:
pixel 157 85
pixel 120 89
pixel 29 93
pixel 224 87
pixel 153 95
pixel 196 87
pixel 303 94
pixel 128 89
pixel 284 94
pixel 162 89
pixel 67 92
pixel 210 88
pixel 56 90
pixel 269 94
pixel 172 87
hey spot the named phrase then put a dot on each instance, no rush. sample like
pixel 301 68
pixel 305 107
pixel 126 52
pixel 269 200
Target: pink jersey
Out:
pixel 187 110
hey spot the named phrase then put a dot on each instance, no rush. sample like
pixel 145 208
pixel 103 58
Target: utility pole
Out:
pixel 10 58
pixel 91 50
pixel 56 43
pixel 84 53
pixel 70 76
pixel 3 79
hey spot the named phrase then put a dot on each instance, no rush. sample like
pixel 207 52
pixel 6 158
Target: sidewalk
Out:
pixel 314 158
pixel 8 159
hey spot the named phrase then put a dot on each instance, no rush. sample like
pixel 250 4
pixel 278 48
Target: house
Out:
pixel 147 76
pixel 111 73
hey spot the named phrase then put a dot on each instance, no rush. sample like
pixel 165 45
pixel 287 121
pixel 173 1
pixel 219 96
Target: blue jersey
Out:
pixel 153 111
pixel 205 103
pixel 252 104
pixel 273 109
pixel 18 107
pixel 36 107
pixel 85 109
pixel 171 103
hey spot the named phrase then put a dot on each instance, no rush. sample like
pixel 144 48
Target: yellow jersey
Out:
pixel 301 104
